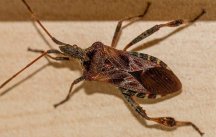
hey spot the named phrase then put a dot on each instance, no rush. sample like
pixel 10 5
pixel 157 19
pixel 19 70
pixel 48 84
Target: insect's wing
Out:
pixel 128 61
pixel 120 79
pixel 133 71
pixel 158 80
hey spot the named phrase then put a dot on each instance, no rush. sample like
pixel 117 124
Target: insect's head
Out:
pixel 73 51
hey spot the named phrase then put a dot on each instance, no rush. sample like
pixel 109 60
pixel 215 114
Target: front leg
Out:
pixel 70 91
pixel 166 121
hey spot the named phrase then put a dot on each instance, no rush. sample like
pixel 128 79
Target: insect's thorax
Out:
pixel 105 58
pixel 98 58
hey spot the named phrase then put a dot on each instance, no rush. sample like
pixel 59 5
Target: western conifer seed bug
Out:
pixel 135 74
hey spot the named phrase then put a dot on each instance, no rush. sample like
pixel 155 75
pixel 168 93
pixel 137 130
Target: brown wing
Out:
pixel 159 80
pixel 127 61
pixel 133 71
pixel 152 73
pixel 120 79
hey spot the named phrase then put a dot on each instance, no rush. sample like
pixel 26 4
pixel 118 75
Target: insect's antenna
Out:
pixel 32 62
pixel 41 25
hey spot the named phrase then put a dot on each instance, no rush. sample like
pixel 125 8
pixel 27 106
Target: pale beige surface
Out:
pixel 97 109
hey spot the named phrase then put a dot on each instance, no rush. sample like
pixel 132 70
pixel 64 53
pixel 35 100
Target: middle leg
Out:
pixel 131 19
pixel 70 91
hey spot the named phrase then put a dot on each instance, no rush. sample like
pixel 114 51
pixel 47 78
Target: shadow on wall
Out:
pixel 98 10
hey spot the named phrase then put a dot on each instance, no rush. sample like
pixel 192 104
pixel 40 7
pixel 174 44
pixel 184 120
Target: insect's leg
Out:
pixel 35 18
pixel 166 121
pixel 51 51
pixel 155 28
pixel 131 19
pixel 70 91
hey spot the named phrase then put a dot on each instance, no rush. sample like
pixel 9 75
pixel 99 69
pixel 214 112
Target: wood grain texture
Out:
pixel 97 109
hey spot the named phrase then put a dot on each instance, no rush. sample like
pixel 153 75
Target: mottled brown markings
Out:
pixel 153 59
pixel 134 53
pixel 150 58
pixel 128 92
pixel 144 56
pixel 175 23
pixel 162 64
pixel 140 95
pixel 138 75
pixel 107 65
pixel 124 60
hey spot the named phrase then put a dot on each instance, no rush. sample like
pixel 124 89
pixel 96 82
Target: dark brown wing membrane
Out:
pixel 157 80
pixel 161 80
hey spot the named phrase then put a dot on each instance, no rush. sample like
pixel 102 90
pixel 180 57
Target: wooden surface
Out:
pixel 97 109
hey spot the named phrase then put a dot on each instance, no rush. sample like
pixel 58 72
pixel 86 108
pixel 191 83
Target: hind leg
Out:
pixel 165 121
pixel 155 28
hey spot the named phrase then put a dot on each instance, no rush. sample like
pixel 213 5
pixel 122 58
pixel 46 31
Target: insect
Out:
pixel 135 74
